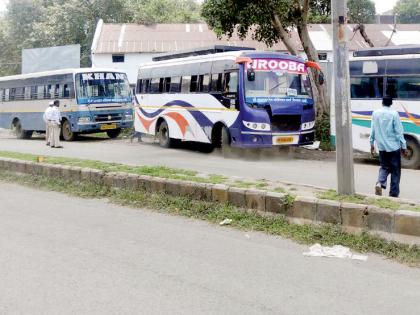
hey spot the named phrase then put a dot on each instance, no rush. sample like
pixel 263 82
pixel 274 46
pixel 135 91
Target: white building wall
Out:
pixel 130 64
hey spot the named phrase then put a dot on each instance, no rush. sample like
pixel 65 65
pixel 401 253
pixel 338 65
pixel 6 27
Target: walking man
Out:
pixel 55 120
pixel 47 118
pixel 387 132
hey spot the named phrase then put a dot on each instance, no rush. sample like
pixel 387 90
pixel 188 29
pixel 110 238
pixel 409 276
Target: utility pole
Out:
pixel 343 134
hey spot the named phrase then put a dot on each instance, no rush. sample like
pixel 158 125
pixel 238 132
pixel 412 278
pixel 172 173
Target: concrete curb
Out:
pixel 353 217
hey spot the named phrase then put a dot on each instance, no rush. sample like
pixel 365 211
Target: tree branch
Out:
pixel 361 28
pixel 284 35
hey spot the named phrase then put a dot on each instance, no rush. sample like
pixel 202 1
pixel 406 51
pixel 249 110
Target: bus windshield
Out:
pixel 102 87
pixel 277 84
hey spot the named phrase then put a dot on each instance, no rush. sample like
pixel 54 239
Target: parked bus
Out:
pixel 390 71
pixel 92 100
pixel 226 96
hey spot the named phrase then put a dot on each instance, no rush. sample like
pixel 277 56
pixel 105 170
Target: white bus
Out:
pixel 226 96
pixel 390 71
pixel 92 100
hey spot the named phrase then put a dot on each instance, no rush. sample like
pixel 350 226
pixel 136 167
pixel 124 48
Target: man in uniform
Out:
pixel 388 133
pixel 46 118
pixel 55 120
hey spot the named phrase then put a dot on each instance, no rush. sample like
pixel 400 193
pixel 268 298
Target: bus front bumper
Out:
pixel 267 140
pixel 92 127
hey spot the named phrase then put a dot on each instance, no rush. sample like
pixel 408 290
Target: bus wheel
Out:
pixel 113 133
pixel 225 142
pixel 413 159
pixel 19 132
pixel 66 132
pixel 164 139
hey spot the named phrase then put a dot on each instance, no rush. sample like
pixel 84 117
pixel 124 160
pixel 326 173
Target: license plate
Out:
pixel 108 126
pixel 285 140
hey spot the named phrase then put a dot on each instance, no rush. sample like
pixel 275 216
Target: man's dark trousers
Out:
pixel 390 164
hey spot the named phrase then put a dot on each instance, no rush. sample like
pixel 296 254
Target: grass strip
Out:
pixel 383 203
pixel 325 234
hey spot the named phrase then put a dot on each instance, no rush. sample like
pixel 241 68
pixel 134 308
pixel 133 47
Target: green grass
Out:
pixel 279 190
pixel 383 203
pixel 243 184
pixel 215 212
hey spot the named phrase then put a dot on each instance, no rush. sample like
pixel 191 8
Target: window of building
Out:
pixel 366 87
pixel 185 84
pixel 118 58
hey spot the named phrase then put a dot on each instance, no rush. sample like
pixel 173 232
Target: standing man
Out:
pixel 47 118
pixel 55 119
pixel 387 131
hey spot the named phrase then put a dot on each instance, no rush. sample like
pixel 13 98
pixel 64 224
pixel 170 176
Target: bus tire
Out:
pixel 413 159
pixel 164 140
pixel 113 133
pixel 66 133
pixel 19 132
pixel 225 142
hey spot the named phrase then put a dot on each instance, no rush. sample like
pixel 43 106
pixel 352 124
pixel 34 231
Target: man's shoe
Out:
pixel 47 143
pixel 378 189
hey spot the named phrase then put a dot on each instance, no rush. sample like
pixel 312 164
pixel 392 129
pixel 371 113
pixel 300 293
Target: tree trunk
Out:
pixel 284 36
pixel 321 98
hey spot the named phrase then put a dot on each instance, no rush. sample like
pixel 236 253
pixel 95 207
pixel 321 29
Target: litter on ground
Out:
pixel 336 251
pixel 226 222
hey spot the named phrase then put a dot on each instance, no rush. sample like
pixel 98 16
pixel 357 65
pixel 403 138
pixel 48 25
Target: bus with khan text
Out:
pixel 91 100
pixel 226 96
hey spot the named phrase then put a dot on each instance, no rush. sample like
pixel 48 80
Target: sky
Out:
pixel 381 5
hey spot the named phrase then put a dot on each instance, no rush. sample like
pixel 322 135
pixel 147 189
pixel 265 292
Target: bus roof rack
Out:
pixel 388 51
pixel 199 52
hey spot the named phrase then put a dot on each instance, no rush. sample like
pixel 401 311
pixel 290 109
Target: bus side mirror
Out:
pixel 250 74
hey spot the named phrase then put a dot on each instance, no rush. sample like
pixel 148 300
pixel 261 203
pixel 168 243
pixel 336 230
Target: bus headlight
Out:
pixel 84 120
pixel 256 126
pixel 308 125
pixel 128 117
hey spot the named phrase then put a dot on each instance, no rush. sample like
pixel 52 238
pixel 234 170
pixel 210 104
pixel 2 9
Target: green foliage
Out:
pixel 44 23
pixel 322 131
pixel 361 11
pixel 408 11
pixel 165 11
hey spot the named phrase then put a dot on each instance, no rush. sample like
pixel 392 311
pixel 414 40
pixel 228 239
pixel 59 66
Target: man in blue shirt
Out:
pixel 388 133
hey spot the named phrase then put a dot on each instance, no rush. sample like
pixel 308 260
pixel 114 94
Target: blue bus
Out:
pixel 92 100
pixel 226 97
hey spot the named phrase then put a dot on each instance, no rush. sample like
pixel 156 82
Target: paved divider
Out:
pixel 353 217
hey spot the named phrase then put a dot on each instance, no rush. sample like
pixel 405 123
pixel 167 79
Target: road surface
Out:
pixel 317 173
pixel 64 255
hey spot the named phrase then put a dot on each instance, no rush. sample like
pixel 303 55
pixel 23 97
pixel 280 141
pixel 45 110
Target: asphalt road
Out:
pixel 64 255
pixel 317 173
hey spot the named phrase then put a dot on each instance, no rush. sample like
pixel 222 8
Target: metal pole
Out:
pixel 343 137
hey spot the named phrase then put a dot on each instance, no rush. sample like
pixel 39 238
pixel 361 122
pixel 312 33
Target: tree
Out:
pixel 361 11
pixel 165 11
pixel 269 22
pixel 408 11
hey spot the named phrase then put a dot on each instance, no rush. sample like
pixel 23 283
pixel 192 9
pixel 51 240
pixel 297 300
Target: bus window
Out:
pixel 66 91
pixel 366 87
pixel 1 95
pixel 231 82
pixel 194 83
pixel 154 86
pixel 204 82
pixel 161 85
pixel 146 86
pixel 175 85
pixel 185 84
pixel 403 87
pixel 216 82
pixel 167 85
pixel 6 95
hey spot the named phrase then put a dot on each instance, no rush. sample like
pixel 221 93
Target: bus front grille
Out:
pixel 108 117
pixel 285 123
